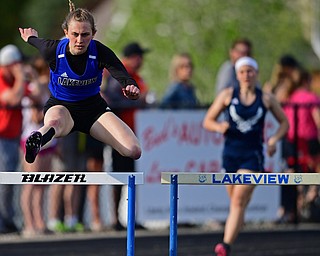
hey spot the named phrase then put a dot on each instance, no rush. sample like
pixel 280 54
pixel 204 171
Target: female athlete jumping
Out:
pixel 76 65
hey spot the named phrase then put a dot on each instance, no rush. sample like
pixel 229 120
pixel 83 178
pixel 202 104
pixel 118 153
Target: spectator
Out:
pixel 302 141
pixel 32 196
pixel 94 163
pixel 133 59
pixel 63 215
pixel 12 90
pixel 181 91
pixel 245 107
pixel 226 75
pixel 310 208
pixel 284 80
pixel 306 124
pixel 286 68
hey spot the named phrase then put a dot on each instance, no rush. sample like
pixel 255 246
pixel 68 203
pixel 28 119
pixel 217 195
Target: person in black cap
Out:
pixel 134 49
pixel 285 77
pixel 287 67
pixel 133 58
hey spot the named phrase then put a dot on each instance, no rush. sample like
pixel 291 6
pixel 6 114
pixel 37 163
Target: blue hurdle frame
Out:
pixel 173 215
pixel 131 215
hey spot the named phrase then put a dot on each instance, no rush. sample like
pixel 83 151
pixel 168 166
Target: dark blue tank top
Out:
pixel 246 125
pixel 68 86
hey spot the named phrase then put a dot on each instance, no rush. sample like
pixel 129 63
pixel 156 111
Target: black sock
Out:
pixel 227 246
pixel 48 136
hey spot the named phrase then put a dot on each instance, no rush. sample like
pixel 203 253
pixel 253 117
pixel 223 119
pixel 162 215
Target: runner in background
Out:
pixel 245 107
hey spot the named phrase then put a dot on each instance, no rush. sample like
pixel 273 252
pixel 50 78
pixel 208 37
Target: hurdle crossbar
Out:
pixel 242 178
pixel 85 178
pixel 74 178
pixel 176 178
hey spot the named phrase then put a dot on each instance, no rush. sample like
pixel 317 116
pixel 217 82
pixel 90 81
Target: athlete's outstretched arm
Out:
pixel 27 32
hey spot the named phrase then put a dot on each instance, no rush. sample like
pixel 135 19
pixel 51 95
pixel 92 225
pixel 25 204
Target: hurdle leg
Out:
pixel 173 215
pixel 131 215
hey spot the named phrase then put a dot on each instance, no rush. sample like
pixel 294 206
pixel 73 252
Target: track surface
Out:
pixel 302 240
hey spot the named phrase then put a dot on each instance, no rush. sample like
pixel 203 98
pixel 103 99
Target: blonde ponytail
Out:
pixel 81 15
pixel 71 6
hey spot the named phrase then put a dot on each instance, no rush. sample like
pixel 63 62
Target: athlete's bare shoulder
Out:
pixel 225 95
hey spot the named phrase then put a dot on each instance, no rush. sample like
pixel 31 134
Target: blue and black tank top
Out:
pixel 246 124
pixel 67 85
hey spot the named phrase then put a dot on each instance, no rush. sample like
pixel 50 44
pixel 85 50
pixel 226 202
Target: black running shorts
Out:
pixel 84 113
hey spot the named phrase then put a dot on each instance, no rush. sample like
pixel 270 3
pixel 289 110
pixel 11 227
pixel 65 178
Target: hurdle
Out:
pixel 85 178
pixel 188 178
